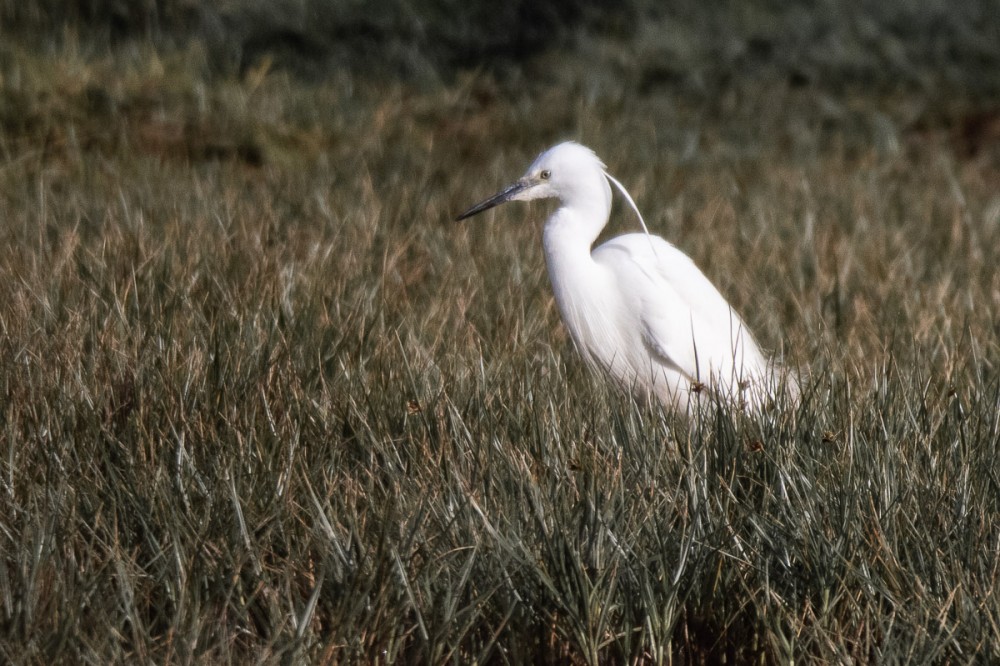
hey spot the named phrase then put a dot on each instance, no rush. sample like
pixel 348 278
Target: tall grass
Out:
pixel 262 400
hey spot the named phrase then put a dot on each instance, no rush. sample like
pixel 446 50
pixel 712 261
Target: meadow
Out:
pixel 263 400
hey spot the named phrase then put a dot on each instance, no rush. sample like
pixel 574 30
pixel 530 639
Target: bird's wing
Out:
pixel 686 323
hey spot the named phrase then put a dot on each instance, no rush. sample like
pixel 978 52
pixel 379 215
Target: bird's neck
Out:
pixel 573 229
pixel 567 239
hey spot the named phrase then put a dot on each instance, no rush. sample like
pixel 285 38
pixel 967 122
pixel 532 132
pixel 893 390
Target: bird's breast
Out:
pixel 594 313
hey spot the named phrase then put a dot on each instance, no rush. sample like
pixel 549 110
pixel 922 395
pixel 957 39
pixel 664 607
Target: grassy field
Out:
pixel 263 401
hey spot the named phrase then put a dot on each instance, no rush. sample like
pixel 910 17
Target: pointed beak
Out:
pixel 497 199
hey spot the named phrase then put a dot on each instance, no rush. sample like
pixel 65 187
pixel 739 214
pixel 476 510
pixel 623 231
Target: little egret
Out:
pixel 636 306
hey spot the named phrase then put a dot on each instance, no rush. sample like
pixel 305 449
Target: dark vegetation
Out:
pixel 261 400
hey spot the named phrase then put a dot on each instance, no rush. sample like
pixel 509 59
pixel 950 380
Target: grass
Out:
pixel 262 400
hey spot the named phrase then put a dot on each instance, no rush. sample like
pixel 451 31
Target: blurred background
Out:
pixel 953 46
pixel 919 69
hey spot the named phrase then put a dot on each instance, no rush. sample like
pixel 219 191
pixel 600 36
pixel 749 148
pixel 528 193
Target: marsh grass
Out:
pixel 263 401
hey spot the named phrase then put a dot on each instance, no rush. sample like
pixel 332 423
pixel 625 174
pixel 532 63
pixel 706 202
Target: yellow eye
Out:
pixel 545 174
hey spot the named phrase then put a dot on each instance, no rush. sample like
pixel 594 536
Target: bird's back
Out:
pixel 684 324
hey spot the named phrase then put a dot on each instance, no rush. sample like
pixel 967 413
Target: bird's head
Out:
pixel 560 172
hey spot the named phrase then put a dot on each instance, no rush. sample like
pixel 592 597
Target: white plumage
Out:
pixel 636 306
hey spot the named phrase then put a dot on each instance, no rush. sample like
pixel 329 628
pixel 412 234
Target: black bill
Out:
pixel 496 199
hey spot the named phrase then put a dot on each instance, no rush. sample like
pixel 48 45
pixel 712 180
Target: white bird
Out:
pixel 636 306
